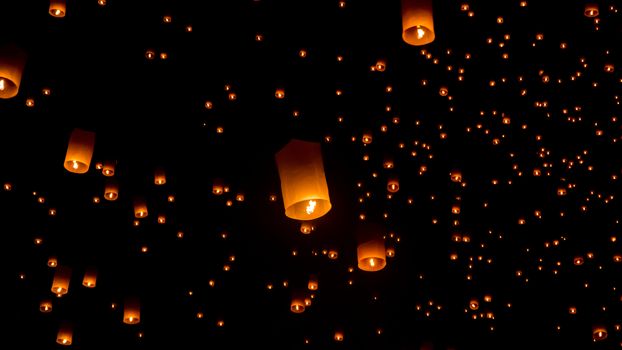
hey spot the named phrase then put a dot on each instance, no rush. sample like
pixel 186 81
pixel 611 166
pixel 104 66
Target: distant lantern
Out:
pixel 58 8
pixel 52 261
pixel 313 283
pixel 131 311
pixel 298 303
pixel 45 306
pixel 333 254
pixel 367 138
pixel 371 252
pixel 380 66
pixel 108 168
pixel 280 93
pixel 140 208
pixel 390 252
pixel 578 260
pixel 306 227
pixel 79 151
pixel 12 61
pixel 65 334
pixel 160 177
pixel 217 187
pixel 417 22
pixel 455 209
pixel 111 190
pixel 90 278
pixel 599 333
pixel 455 176
pixel 393 185
pixel 303 183
pixel 443 91
pixel 338 336
pixel 473 304
pixel 591 10
pixel 60 284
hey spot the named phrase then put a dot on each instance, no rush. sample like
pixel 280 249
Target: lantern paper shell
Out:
pixel 60 285
pixel 12 61
pixel 45 306
pixel 313 283
pixel 371 255
pixel 79 151
pixel 303 183
pixel 298 303
pixel 599 333
pixel 160 177
pixel 108 168
pixel 417 22
pixel 131 311
pixel 111 191
pixel 140 208
pixel 65 335
pixel 90 278
pixel 58 8
pixel 591 10
pixel 393 185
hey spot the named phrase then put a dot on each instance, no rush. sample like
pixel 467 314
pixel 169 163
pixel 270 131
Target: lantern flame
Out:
pixel 2 86
pixel 372 263
pixel 420 33
pixel 311 207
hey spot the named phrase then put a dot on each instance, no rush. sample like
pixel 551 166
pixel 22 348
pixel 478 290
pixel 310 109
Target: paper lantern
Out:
pixel 417 22
pixel 313 283
pixel 90 278
pixel 591 10
pixel 131 311
pixel 60 285
pixel 303 183
pixel 217 187
pixel 58 8
pixel 474 304
pixel 52 261
pixel 65 334
pixel 393 185
pixel 12 61
pixel 306 227
pixel 298 303
pixel 338 336
pixel 140 208
pixel 45 306
pixel 79 151
pixel 108 168
pixel 111 190
pixel 456 176
pixel 599 333
pixel 160 177
pixel 371 253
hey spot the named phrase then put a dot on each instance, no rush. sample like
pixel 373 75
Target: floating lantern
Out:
pixel 160 177
pixel 52 261
pixel 217 187
pixel 591 10
pixel 599 333
pixel 455 176
pixel 60 285
pixel 393 185
pixel 90 278
pixel 279 93
pixel 45 306
pixel 371 252
pixel 338 336
pixel 58 8
pixel 111 190
pixel 12 61
pixel 298 303
pixel 313 283
pixel 108 168
pixel 303 183
pixel 417 22
pixel 131 311
pixel 140 208
pixel 79 151
pixel 474 304
pixel 306 227
pixel 65 334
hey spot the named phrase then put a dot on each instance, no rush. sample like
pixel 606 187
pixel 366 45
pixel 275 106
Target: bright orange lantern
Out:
pixel 90 278
pixel 371 252
pixel 417 22
pixel 12 61
pixel 108 168
pixel 58 8
pixel 303 183
pixel 140 208
pixel 313 283
pixel 160 177
pixel 65 334
pixel 298 303
pixel 111 191
pixel 60 285
pixel 131 311
pixel 79 151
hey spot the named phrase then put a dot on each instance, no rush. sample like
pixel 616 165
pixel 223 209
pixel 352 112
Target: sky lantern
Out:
pixel 58 8
pixel 131 311
pixel 371 252
pixel 90 278
pixel 417 22
pixel 79 151
pixel 303 183
pixel 65 334
pixel 111 190
pixel 140 208
pixel 12 61
pixel 60 284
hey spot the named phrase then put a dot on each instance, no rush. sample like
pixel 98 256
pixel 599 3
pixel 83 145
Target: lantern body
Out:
pixel 417 22
pixel 65 335
pixel 79 151
pixel 599 333
pixel 303 183
pixel 90 278
pixel 60 285
pixel 131 311
pixel 298 304
pixel 160 177
pixel 306 227
pixel 140 208
pixel 58 8
pixel 313 283
pixel 371 255
pixel 12 61
pixel 45 306
pixel 591 10
pixel 111 191
pixel 108 168
pixel 393 185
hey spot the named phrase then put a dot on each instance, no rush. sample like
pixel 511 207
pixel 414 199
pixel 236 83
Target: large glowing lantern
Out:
pixel 303 183
pixel 371 252
pixel 79 151
pixel 12 61
pixel 60 284
pixel 131 311
pixel 417 22
pixel 65 334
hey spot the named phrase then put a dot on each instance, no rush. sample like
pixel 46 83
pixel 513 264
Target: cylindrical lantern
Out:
pixel 599 333
pixel 140 208
pixel 79 151
pixel 217 187
pixel 45 306
pixel 393 185
pixel 417 22
pixel 298 303
pixel 111 190
pixel 90 278
pixel 313 283
pixel 456 176
pixel 474 304
pixel 338 336
pixel 65 334
pixel 306 227
pixel 60 285
pixel 12 61
pixel 52 261
pixel 160 177
pixel 591 10
pixel 108 168
pixel 131 311
pixel 58 8
pixel 371 251
pixel 303 183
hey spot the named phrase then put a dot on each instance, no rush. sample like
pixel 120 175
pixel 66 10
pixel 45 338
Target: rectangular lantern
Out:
pixel 303 183
pixel 79 151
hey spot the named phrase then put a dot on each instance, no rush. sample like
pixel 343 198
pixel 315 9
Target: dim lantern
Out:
pixel 303 183
pixel 79 151
pixel 131 311
pixel 371 253
pixel 60 284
